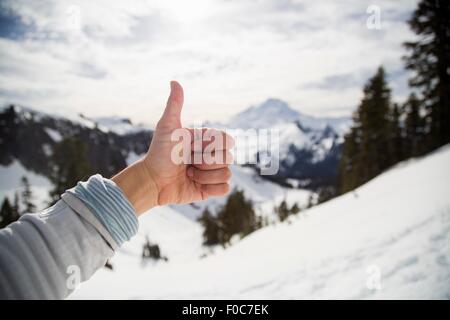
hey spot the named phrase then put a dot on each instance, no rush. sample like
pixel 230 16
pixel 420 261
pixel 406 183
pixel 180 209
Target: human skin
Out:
pixel 157 180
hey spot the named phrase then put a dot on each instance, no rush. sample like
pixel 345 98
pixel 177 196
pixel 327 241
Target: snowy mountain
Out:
pixel 390 239
pixel 275 113
pixel 29 136
pixel 267 114
pixel 310 147
pixel 117 125
pixel 392 233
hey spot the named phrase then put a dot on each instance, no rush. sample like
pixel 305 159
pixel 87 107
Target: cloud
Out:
pixel 118 57
pixel 336 82
pixel 11 24
pixel 89 70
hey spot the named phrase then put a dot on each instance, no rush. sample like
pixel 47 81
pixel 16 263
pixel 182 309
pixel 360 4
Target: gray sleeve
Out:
pixel 45 255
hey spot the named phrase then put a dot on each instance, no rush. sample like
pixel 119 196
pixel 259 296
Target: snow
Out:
pixel 263 193
pixel 53 134
pixel 388 239
pixel 167 228
pixel 132 157
pixel 304 132
pixel 266 115
pixel 10 177
pixel 57 114
pixel 275 112
pixel 117 125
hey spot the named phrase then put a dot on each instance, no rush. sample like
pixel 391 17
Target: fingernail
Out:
pixel 190 172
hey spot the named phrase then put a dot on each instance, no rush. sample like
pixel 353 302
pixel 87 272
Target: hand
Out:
pixel 158 180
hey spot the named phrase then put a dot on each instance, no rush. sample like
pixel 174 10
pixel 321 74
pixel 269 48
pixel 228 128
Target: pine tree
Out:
pixel 414 127
pixel 211 230
pixel 397 148
pixel 429 58
pixel 151 251
pixel 27 196
pixel 16 203
pixel 70 165
pixel 349 165
pixel 282 211
pixel 7 213
pixel 237 216
pixel 295 208
pixel 366 148
pixel 374 115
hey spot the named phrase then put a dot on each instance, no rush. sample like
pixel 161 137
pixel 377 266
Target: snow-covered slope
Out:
pixel 309 147
pixel 10 183
pixel 264 194
pixel 388 239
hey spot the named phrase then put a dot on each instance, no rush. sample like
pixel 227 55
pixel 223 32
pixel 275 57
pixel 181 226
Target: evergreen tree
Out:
pixel 295 208
pixel 70 165
pixel 7 213
pixel 27 196
pixel 414 127
pixel 237 216
pixel 259 222
pixel 397 148
pixel 211 232
pixel 349 165
pixel 366 150
pixel 282 211
pixel 16 203
pixel 429 58
pixel 151 251
pixel 374 114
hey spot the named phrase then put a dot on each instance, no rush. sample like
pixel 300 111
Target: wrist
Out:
pixel 139 186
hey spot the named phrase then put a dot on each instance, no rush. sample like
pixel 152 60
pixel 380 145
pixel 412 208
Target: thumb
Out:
pixel 172 114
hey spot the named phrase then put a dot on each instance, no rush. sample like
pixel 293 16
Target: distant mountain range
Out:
pixel 275 112
pixel 29 136
pixel 309 151
pixel 310 147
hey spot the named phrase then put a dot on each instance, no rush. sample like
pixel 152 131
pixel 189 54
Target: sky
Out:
pixel 104 58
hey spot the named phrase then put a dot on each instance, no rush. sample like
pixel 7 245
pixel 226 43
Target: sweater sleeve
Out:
pixel 47 254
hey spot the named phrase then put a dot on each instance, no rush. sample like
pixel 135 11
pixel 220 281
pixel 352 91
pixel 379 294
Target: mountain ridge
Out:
pixel 309 147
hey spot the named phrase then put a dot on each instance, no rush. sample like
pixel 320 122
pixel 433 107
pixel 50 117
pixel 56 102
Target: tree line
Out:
pixel 384 133
pixel 22 203
pixel 237 218
pixel 69 163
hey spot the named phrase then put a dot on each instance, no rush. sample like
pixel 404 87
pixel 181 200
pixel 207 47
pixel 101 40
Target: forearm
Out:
pixel 44 255
pixel 139 187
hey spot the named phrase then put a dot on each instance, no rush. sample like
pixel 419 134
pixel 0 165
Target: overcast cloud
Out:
pixel 117 57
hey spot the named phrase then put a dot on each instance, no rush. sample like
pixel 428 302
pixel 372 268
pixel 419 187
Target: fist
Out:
pixel 190 169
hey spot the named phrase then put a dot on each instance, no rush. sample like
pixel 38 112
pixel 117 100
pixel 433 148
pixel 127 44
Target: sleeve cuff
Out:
pixel 109 205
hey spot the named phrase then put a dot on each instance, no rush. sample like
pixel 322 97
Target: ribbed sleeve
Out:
pixel 109 205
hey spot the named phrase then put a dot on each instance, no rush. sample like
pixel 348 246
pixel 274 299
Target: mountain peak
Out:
pixel 265 115
pixel 273 105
